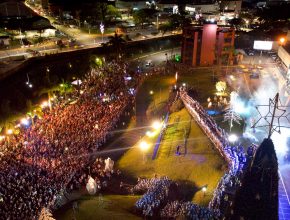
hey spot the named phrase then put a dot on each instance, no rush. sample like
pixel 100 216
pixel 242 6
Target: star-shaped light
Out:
pixel 272 118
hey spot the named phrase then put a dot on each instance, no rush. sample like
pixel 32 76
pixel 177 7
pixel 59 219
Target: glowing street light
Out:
pixel 204 189
pixel 156 125
pixel 149 133
pixel 24 121
pixel 233 138
pixel 9 131
pixel 282 40
pixel 151 92
pixel 44 104
pixel 2 138
pixel 144 146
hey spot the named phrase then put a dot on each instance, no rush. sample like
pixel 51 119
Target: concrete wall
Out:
pixel 284 56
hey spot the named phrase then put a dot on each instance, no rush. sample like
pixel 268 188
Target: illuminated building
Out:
pixel 207 45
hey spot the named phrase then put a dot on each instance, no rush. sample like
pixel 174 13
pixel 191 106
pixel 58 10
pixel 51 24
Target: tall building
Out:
pixel 207 45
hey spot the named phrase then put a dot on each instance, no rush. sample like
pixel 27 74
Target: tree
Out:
pixel 175 21
pixel 237 22
pixel 113 12
pixel 116 42
pixel 102 9
pixel 140 17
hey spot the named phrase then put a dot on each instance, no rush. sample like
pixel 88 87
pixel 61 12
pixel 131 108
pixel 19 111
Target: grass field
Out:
pixel 197 166
pixel 111 207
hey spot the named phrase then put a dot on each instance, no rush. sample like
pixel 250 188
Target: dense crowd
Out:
pixel 158 201
pixel 236 157
pixel 38 163
pixel 187 210
pixel 156 195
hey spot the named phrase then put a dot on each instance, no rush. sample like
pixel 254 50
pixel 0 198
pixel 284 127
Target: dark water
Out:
pixel 45 72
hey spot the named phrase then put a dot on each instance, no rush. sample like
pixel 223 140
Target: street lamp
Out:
pixel 2 138
pixel 156 125
pixel 24 121
pixel 232 138
pixel 157 22
pixel 282 40
pixel 9 131
pixel 144 146
pixel 204 189
pixel 151 92
pixel 149 133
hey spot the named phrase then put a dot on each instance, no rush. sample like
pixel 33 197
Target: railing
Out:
pixel 218 138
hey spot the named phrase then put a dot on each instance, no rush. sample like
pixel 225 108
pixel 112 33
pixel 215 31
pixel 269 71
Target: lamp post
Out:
pixel 157 22
pixel 233 138
pixel 144 146
pixel 282 41
pixel 156 125
pixel 204 189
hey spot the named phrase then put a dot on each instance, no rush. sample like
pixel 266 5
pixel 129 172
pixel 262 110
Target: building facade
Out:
pixel 207 45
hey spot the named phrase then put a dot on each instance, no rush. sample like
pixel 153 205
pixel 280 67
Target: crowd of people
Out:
pixel 40 161
pixel 236 157
pixel 159 201
pixel 187 210
pixel 156 195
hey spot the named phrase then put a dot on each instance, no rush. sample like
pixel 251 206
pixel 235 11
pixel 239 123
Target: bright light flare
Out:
pixel 204 189
pixel 233 138
pixel 232 78
pixel 2 138
pixel 156 125
pixel 24 121
pixel 282 40
pixel 44 104
pixel 149 133
pixel 9 131
pixel 144 146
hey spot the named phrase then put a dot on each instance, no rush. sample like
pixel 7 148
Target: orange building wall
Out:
pixel 207 56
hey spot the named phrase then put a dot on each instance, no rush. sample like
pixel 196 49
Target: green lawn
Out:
pixel 198 165
pixel 109 207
